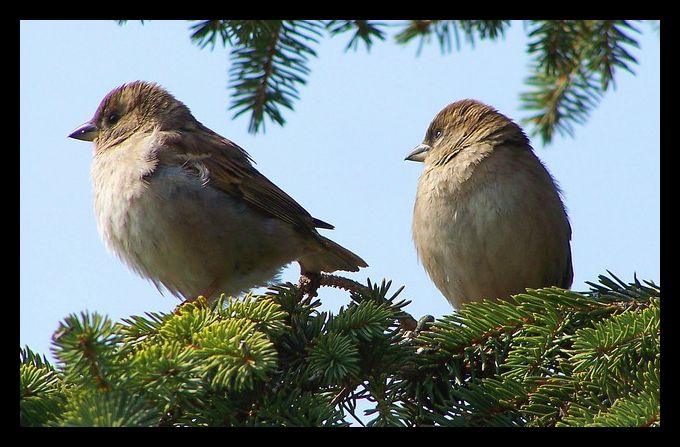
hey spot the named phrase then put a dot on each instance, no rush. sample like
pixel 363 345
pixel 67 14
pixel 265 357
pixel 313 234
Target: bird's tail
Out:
pixel 329 256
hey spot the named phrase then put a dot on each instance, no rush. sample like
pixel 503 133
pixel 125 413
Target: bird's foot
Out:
pixel 309 283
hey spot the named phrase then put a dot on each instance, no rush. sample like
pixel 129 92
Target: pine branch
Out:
pixel 364 30
pixel 444 30
pixel 208 32
pixel 112 409
pixel 266 70
pixel 573 64
pixel 40 390
pixel 84 346
pixel 546 357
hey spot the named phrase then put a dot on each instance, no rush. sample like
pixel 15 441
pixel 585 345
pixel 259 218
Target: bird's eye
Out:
pixel 113 118
pixel 437 133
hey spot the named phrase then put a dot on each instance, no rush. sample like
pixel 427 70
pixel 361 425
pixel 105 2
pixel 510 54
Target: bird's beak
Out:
pixel 86 132
pixel 419 153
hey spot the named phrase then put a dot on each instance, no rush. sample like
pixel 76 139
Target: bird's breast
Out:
pixel 452 203
pixel 119 178
pixel 174 228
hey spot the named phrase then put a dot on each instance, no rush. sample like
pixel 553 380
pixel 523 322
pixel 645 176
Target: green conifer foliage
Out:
pixel 548 357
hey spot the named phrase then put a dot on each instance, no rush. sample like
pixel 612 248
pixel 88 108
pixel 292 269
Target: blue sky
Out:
pixel 340 155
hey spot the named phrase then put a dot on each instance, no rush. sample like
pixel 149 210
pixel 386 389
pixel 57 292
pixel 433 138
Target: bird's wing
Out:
pixel 224 165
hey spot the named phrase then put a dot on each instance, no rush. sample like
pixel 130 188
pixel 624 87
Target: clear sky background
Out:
pixel 340 155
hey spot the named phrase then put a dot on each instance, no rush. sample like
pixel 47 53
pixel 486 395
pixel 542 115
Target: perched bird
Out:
pixel 184 206
pixel 488 220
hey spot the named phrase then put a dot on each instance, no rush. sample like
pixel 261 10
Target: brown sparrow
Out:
pixel 184 206
pixel 488 220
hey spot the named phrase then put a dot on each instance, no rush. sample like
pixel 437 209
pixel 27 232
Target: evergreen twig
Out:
pixel 547 357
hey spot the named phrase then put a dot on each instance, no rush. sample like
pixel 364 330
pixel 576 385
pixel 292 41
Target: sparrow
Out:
pixel 488 219
pixel 185 208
